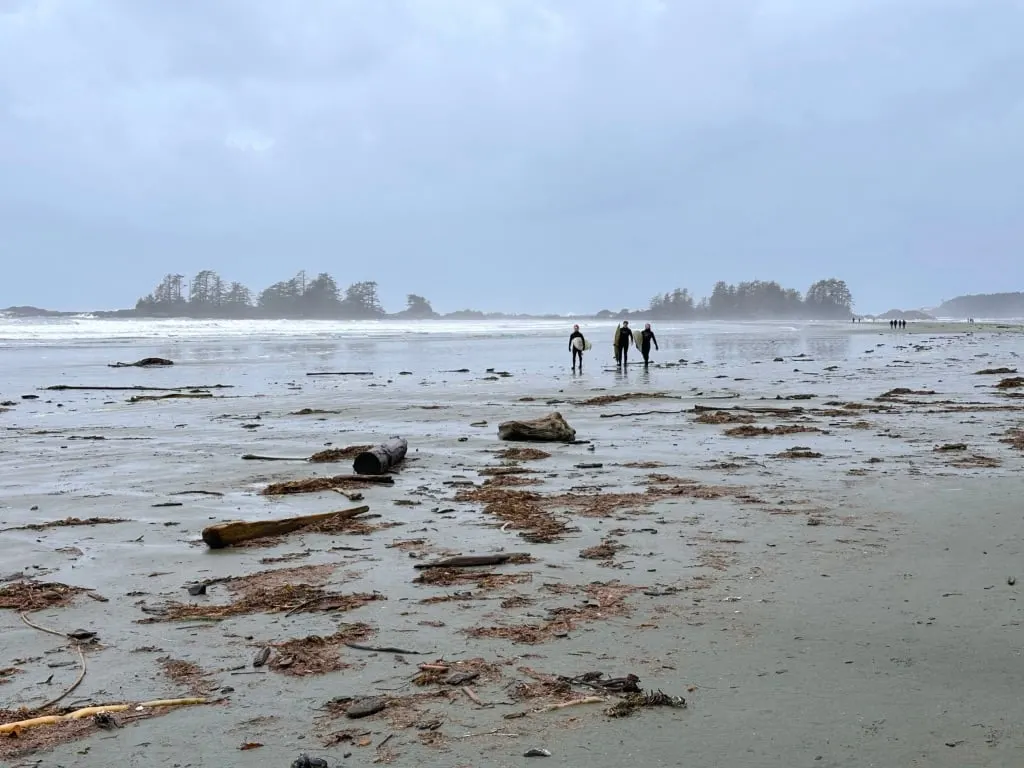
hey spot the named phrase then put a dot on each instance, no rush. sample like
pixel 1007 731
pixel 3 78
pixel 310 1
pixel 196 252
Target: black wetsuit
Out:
pixel 645 346
pixel 576 352
pixel 622 347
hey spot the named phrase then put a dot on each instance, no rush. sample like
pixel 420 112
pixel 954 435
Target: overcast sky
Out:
pixel 524 155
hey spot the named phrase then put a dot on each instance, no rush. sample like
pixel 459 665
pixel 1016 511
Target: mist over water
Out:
pixel 86 329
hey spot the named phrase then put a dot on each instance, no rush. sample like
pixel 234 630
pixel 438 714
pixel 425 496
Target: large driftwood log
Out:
pixel 146 362
pixel 551 428
pixel 379 460
pixel 239 531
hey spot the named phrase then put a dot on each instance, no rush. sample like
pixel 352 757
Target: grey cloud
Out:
pixel 484 138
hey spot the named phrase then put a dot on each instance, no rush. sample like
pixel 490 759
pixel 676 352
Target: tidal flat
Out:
pixel 777 545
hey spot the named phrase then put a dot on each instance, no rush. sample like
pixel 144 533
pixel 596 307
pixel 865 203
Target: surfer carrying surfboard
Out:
pixel 577 344
pixel 622 339
pixel 646 338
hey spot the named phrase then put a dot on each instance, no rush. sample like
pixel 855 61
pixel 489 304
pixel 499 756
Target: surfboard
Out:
pixel 638 338
pixel 586 345
pixel 579 344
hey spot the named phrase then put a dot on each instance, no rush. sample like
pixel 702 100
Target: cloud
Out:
pixel 753 138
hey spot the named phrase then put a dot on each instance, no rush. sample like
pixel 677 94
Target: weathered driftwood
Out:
pixel 146 362
pixel 750 409
pixel 171 396
pixel 239 531
pixel 340 373
pixel 380 459
pixel 551 428
pixel 257 457
pixel 468 561
pixel 76 388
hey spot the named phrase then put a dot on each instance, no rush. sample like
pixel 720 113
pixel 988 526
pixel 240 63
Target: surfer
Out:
pixel 576 345
pixel 647 337
pixel 622 341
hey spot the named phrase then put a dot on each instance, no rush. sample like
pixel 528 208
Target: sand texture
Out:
pixel 774 547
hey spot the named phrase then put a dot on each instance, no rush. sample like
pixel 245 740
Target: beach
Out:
pixel 808 537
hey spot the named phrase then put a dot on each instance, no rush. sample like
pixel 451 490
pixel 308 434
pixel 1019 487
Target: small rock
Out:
pixel 366 707
pixel 1011 580
pixel 536 753
pixel 305 761
pixel 197 589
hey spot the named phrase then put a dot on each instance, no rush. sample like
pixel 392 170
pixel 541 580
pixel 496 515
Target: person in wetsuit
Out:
pixel 645 346
pixel 622 343
pixel 576 347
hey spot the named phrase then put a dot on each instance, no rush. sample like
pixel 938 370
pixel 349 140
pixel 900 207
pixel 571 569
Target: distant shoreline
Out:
pixel 869 324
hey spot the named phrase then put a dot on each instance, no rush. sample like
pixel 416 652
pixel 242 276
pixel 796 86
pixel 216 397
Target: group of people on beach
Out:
pixel 897 323
pixel 623 339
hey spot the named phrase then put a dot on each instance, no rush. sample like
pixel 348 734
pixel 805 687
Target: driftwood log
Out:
pixel 551 428
pixel 146 362
pixel 469 561
pixel 340 373
pixel 235 532
pixel 796 409
pixel 377 461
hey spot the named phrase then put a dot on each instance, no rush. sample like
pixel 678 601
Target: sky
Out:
pixel 516 155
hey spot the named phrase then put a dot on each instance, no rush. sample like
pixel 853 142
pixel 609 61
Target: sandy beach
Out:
pixel 811 535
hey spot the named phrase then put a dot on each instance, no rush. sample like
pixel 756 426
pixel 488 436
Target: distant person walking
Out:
pixel 647 338
pixel 622 341
pixel 576 345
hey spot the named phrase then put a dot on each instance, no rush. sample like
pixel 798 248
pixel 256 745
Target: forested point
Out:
pixel 993 305
pixel 207 295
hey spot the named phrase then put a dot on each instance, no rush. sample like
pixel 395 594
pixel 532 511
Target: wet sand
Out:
pixel 833 590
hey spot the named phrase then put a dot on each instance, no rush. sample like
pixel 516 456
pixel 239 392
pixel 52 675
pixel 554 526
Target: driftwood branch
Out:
pixel 340 373
pixel 79 714
pixel 146 362
pixel 468 561
pixel 383 649
pixel 751 409
pixel 640 413
pixel 238 531
pixel 77 388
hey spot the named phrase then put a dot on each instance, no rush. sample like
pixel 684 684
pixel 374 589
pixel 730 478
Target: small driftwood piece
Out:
pixel 551 429
pixel 383 649
pixel 170 396
pixel 640 413
pixel 235 532
pixel 796 409
pixel 378 460
pixel 340 373
pixel 146 362
pixel 257 457
pixel 469 561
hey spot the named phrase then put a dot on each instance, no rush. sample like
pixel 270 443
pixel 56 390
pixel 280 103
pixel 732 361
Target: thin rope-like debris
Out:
pixel 81 658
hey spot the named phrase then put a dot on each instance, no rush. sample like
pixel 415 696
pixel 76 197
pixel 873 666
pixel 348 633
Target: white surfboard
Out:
pixel 579 344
